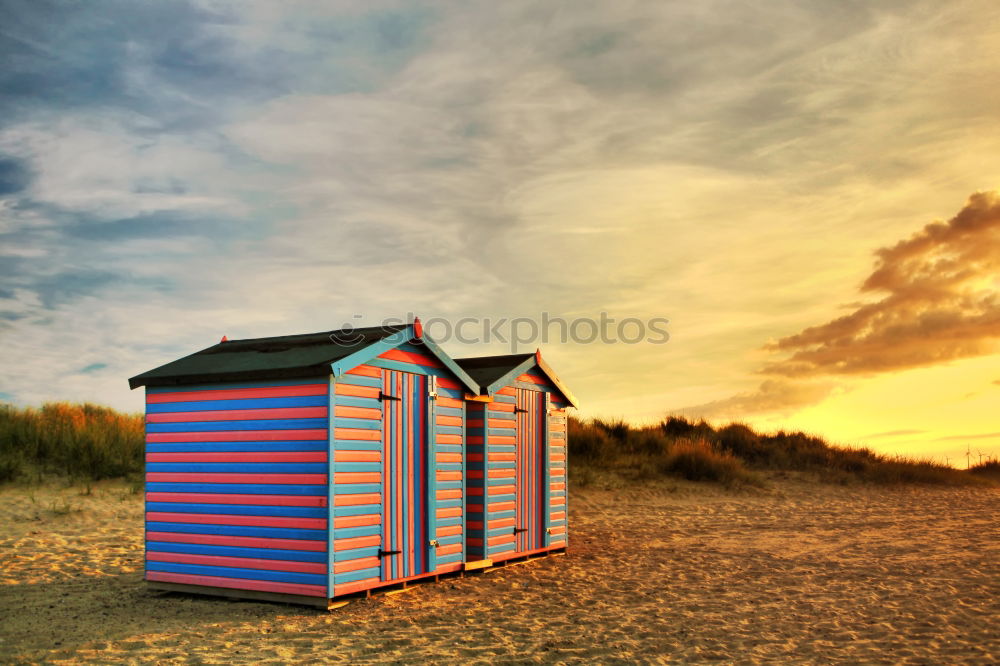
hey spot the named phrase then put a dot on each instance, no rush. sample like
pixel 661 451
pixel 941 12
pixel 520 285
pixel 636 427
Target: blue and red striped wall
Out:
pixel 517 470
pixel 236 479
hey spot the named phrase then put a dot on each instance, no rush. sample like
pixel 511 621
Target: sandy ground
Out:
pixel 800 574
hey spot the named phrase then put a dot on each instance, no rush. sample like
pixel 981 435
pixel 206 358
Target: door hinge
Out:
pixel 386 396
pixel 518 530
pixel 518 410
pixel 387 553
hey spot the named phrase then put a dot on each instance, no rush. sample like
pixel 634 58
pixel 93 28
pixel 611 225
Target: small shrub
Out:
pixel 699 461
pixel 989 468
pixel 743 442
pixel 677 427
pixel 617 429
pixel 590 442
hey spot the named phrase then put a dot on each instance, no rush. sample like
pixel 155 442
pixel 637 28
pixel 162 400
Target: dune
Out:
pixel 802 573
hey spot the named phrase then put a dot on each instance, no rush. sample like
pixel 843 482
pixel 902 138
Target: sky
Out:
pixel 806 191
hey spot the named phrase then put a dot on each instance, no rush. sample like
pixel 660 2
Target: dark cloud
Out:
pixel 182 64
pixel 93 367
pixel 56 289
pixel 70 54
pixel 941 303
pixel 75 255
pixel 14 176
pixel 159 224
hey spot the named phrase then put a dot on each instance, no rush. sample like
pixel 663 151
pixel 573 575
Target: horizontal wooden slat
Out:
pixel 238 583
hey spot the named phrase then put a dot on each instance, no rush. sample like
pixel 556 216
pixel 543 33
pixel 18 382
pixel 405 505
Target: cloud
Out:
pixel 942 303
pixel 982 435
pixel 772 396
pixel 892 433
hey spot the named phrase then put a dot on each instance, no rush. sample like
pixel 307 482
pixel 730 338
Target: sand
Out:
pixel 801 573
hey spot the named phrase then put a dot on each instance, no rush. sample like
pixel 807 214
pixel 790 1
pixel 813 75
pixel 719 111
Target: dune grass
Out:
pixel 737 455
pixel 86 442
pixel 83 442
pixel 614 448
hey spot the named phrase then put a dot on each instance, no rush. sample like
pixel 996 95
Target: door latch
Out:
pixel 434 543
pixel 386 396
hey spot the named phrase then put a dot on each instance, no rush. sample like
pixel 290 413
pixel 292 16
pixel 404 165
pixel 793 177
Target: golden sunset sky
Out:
pixel 805 190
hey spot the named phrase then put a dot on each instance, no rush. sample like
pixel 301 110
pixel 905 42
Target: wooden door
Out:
pixel 530 471
pixel 405 550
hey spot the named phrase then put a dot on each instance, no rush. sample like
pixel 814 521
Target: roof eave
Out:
pixel 236 376
pixel 143 380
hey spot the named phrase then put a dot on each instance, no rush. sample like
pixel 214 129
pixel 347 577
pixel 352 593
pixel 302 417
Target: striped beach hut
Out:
pixel 516 443
pixel 305 467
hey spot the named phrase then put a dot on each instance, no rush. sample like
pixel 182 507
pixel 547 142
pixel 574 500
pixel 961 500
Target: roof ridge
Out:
pixel 393 328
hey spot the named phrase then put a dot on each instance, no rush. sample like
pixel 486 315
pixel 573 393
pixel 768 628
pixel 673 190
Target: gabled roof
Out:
pixel 488 369
pixel 495 372
pixel 286 356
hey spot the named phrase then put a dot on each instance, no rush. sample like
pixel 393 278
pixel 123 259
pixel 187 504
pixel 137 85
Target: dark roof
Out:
pixel 262 358
pixel 488 369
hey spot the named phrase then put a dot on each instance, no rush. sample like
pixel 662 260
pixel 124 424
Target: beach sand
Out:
pixel 801 573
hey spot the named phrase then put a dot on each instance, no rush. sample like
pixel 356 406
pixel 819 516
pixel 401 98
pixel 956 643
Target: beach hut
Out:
pixel 305 467
pixel 516 442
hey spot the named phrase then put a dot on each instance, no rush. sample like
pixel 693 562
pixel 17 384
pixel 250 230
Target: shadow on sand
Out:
pixel 55 618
